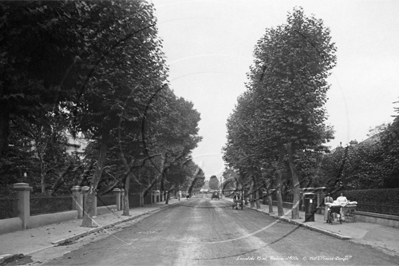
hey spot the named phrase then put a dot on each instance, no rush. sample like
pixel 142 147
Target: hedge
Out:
pixel 384 196
pixel 385 201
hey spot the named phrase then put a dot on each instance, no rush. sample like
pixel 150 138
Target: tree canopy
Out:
pixel 282 112
pixel 93 70
pixel 213 182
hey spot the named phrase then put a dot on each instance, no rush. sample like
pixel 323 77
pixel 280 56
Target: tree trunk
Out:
pixel 242 198
pixel 257 199
pixel 42 169
pixel 126 197
pixel 42 184
pixel 251 194
pixel 89 210
pixel 295 184
pixel 279 175
pixel 4 129
pixel 156 179
pixel 269 195
pixel 270 200
pixel 256 192
pixel 141 199
pixel 40 153
pixel 167 197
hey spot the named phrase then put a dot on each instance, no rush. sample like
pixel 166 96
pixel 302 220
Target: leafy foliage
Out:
pixel 214 183
pixel 95 69
pixel 282 113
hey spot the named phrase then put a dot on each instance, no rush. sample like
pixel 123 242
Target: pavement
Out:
pixel 18 244
pixel 384 238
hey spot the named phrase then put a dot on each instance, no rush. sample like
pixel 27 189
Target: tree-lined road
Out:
pixel 201 231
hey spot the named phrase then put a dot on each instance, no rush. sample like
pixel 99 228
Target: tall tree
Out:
pixel 122 70
pixel 171 131
pixel 286 92
pixel 39 48
pixel 390 146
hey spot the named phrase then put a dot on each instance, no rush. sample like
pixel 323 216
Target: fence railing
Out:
pixel 43 205
pixel 106 200
pixel 374 207
pixel 134 200
pixel 8 208
pixel 377 208
pixel 286 197
pixel 32 208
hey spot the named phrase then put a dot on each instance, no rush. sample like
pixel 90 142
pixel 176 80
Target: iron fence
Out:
pixel 134 200
pixel 106 200
pixel 43 205
pixel 377 208
pixel 8 208
pixel 286 197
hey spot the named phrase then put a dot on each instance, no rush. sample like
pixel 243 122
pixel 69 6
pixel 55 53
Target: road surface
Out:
pixel 200 231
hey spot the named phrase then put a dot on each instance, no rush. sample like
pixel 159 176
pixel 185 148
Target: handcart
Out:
pixel 334 209
pixel 349 212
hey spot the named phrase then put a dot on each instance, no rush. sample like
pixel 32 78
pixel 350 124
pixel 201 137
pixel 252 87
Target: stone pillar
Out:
pixel 23 195
pixel 118 193
pixel 77 200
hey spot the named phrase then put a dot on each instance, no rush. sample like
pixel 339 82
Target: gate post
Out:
pixel 23 195
pixel 77 200
pixel 117 192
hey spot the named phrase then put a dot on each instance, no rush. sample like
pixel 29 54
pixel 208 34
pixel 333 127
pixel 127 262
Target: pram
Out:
pixel 334 209
pixel 349 212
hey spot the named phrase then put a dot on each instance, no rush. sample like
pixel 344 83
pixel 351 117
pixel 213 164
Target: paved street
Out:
pixel 204 232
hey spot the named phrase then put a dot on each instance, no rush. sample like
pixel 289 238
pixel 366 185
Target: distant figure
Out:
pixel 342 199
pixel 236 199
pixel 187 196
pixel 327 199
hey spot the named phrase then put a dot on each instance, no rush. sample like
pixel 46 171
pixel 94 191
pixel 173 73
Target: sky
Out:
pixel 209 46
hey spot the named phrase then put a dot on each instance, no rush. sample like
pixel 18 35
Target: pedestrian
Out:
pixel 327 199
pixel 236 199
pixel 342 199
